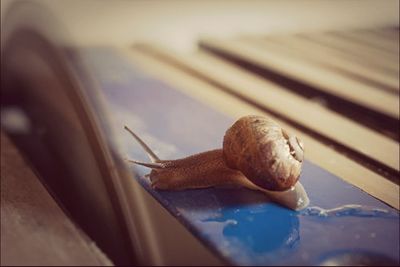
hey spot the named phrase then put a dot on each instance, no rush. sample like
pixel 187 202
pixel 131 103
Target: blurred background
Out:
pixel 179 24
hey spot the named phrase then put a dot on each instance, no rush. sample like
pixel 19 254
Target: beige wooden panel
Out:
pixel 331 57
pixel 322 155
pixel 370 39
pixel 368 96
pixel 378 67
pixel 350 41
pixel 299 109
pixel 369 55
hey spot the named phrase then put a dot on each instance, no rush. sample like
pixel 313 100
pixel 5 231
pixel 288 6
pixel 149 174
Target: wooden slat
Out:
pixel 370 39
pixel 378 67
pixel 349 42
pixel 386 33
pixel 326 81
pixel 370 56
pixel 330 57
pixel 320 154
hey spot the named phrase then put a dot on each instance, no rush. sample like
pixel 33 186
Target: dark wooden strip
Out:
pixel 34 229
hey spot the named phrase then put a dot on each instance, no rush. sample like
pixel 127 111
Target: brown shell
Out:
pixel 263 152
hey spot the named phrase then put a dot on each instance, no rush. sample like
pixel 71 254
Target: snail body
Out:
pixel 256 154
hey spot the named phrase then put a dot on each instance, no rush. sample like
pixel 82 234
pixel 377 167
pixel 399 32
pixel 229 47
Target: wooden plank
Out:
pixel 386 33
pixel 388 63
pixel 361 94
pixel 320 154
pixel 354 58
pixel 371 40
pixel 351 43
pixel 34 230
pixel 335 59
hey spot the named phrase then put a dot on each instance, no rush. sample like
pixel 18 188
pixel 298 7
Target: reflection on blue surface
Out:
pixel 241 225
pixel 350 210
pixel 355 257
pixel 282 231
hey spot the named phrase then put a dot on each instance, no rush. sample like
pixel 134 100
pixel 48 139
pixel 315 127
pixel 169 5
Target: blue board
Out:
pixel 240 225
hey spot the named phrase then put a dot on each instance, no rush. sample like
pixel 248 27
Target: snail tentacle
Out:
pixel 153 157
pixel 147 164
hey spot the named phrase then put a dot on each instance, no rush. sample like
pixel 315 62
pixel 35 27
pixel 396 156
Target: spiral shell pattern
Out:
pixel 265 153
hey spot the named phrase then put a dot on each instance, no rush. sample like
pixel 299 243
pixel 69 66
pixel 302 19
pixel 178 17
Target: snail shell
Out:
pixel 263 152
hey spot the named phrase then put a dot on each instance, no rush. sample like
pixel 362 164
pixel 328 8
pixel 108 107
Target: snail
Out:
pixel 257 154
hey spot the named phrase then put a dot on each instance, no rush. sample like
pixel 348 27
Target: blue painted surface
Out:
pixel 240 225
